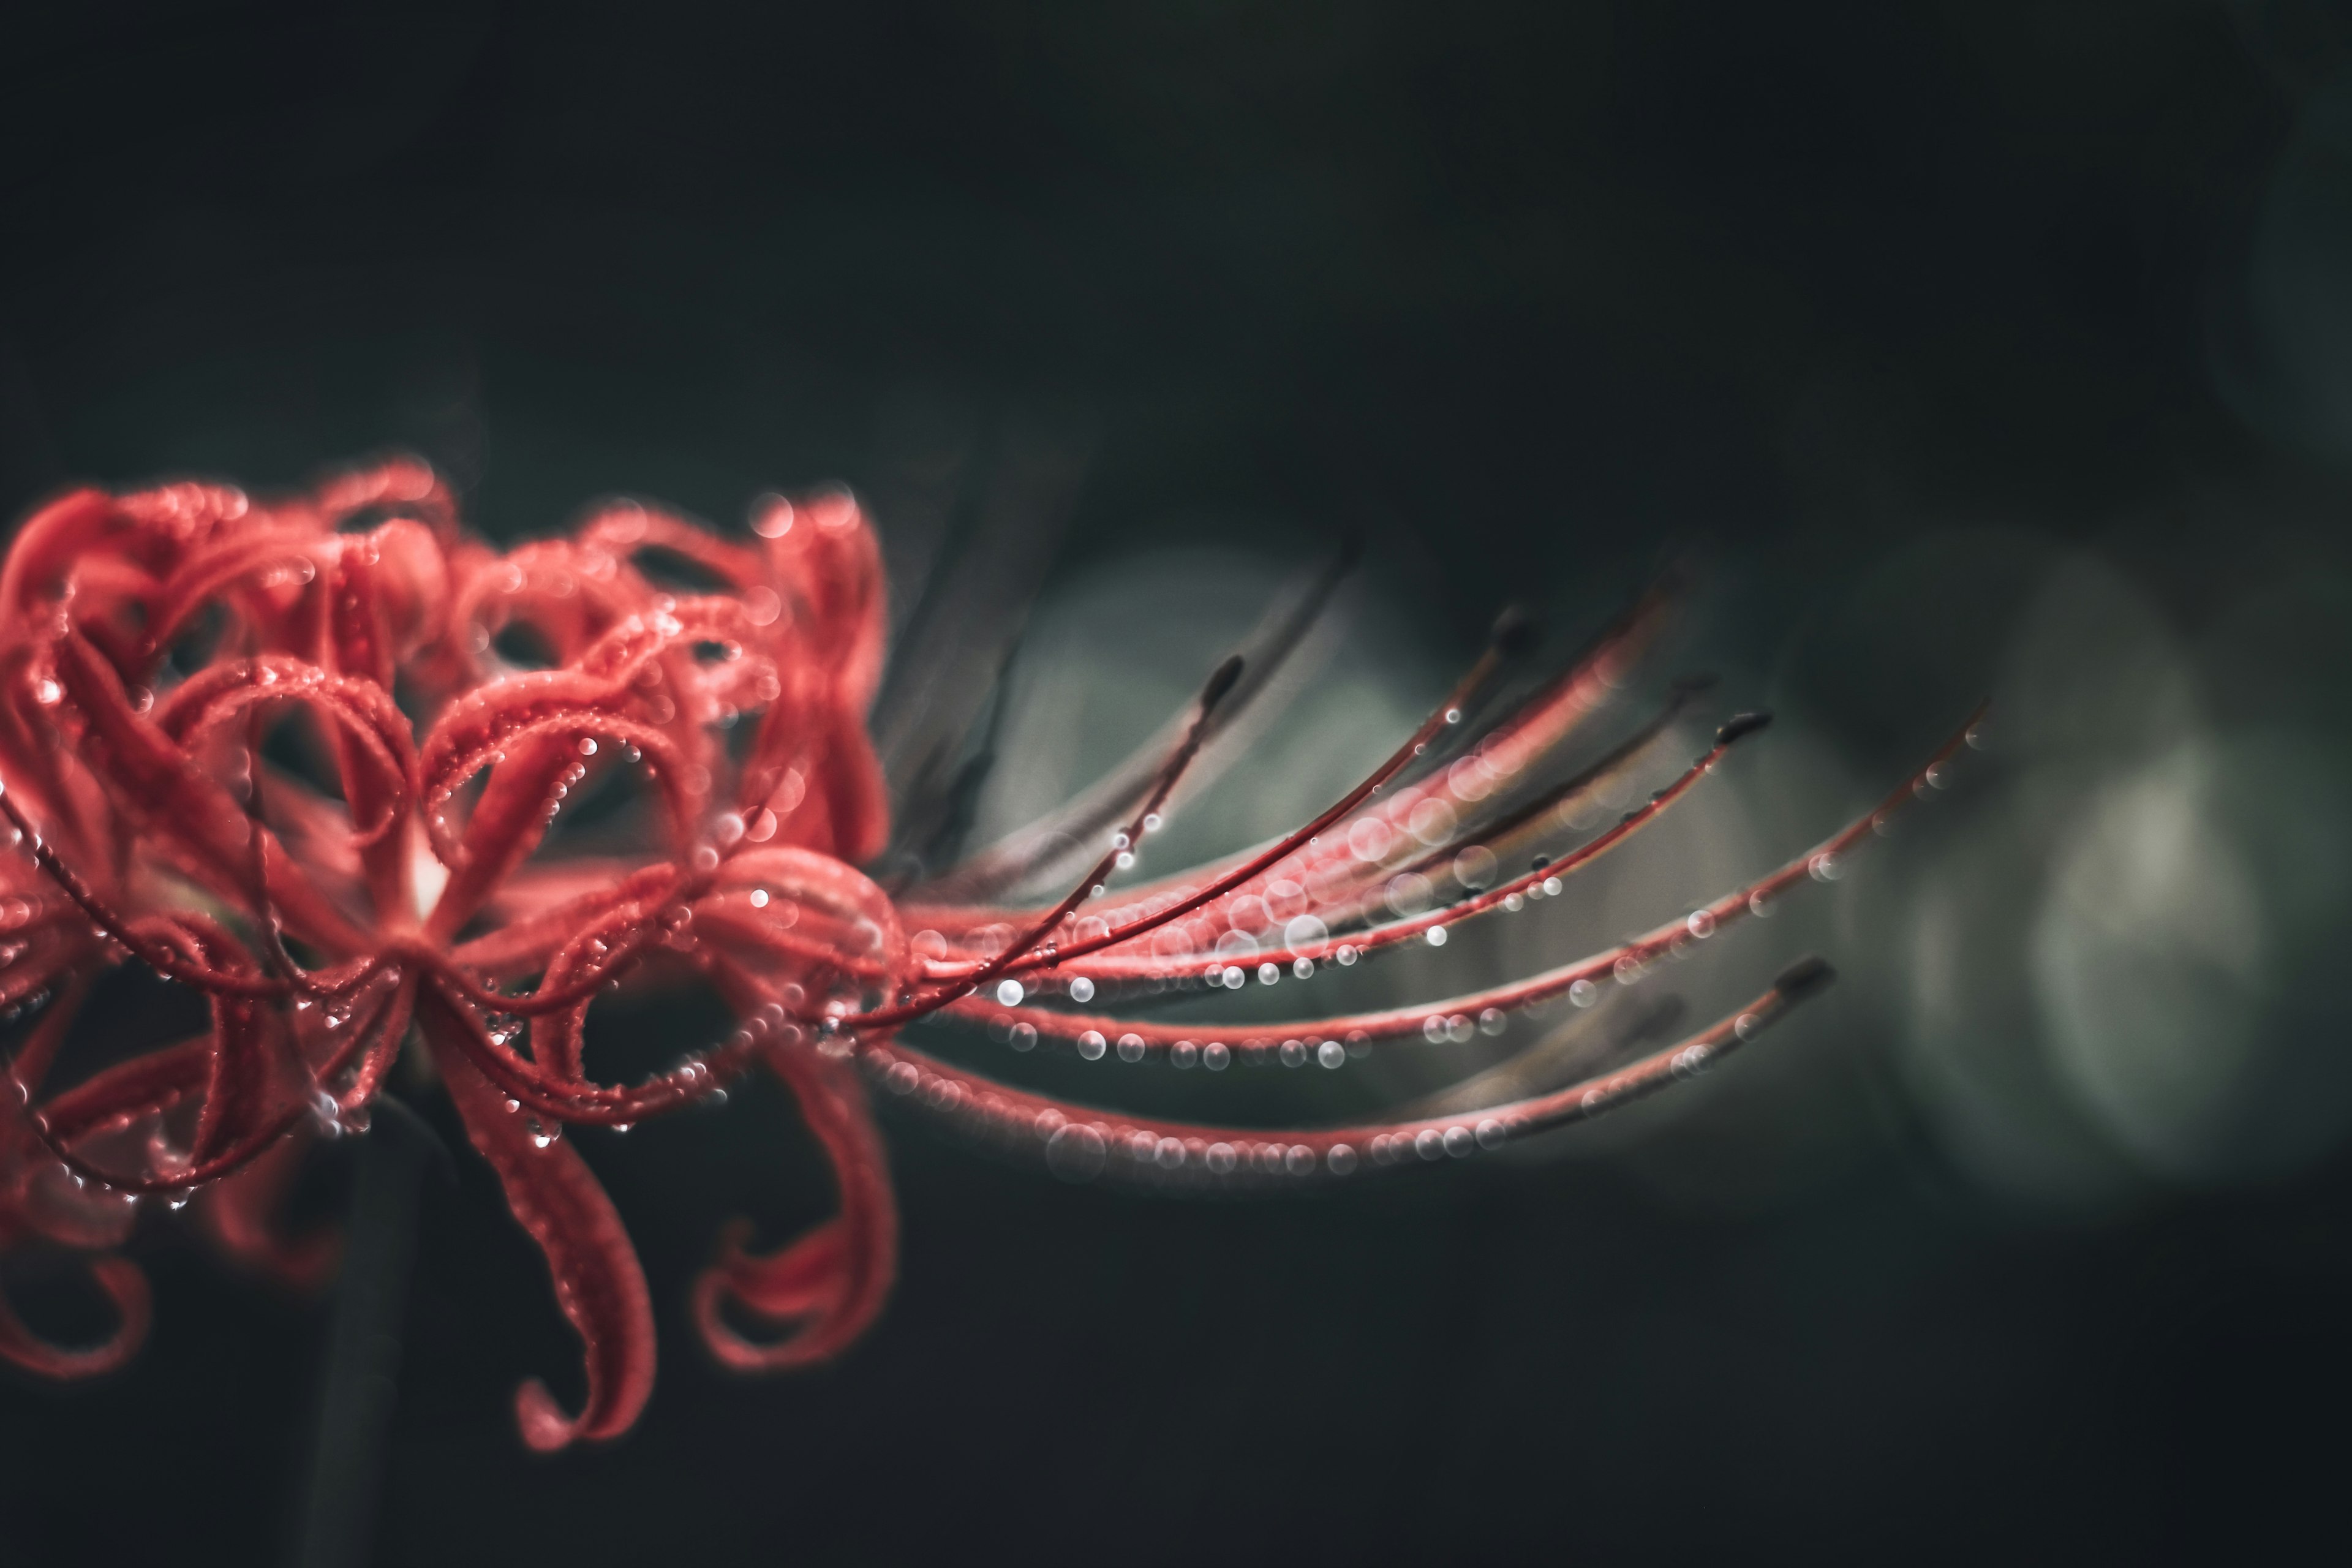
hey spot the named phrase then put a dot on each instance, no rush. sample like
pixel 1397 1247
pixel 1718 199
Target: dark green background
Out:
pixel 1529 293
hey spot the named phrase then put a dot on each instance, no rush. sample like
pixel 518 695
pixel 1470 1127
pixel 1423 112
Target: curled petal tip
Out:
pixel 546 1430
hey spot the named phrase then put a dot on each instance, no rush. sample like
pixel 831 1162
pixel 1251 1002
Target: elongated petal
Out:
pixel 598 1282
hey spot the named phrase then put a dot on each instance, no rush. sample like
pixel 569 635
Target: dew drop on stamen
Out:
pixel 1331 1054
pixel 1075 1153
pixel 1183 1054
pixel 1009 992
pixel 1302 968
pixel 1825 867
pixel 1583 993
pixel 1294 1053
pixel 1215 1056
pixel 1130 1048
pixel 1152 822
pixel 1024 1037
pixel 1760 905
pixel 1341 1159
pixel 1267 974
pixel 1091 1045
pixel 1082 989
pixel 1701 924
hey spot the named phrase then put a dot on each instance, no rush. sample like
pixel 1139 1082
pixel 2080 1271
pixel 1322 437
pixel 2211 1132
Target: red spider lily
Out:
pixel 149 640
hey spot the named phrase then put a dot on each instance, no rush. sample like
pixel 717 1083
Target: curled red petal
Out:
pixel 126 1286
pixel 241 1212
pixel 598 1282
pixel 828 1286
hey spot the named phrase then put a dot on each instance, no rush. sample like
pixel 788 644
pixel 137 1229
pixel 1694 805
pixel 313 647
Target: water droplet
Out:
pixel 1299 1160
pixel 1183 1054
pixel 1825 867
pixel 1267 974
pixel 1075 1153
pixel 1220 1159
pixel 1551 887
pixel 1215 1057
pixel 1293 1053
pixel 1490 1134
pixel 1760 905
pixel 1234 979
pixel 1091 1045
pixel 1152 822
pixel 1437 936
pixel 1583 993
pixel 1459 1141
pixel 587 745
pixel 1341 1159
pixel 1009 992
pixel 1302 968
pixel 1746 1025
pixel 1408 894
pixel 1453 715
pixel 1130 1048
pixel 1022 1037
pixel 902 1078
pixel 1493 1021
pixel 1331 1054
pixel 1433 822
pixel 1082 989
pixel 1345 955
pixel 1429 1143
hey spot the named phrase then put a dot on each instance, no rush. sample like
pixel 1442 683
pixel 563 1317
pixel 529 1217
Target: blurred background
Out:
pixel 1988 347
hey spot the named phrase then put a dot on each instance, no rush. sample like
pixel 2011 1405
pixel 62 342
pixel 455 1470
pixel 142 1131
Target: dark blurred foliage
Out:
pixel 1532 295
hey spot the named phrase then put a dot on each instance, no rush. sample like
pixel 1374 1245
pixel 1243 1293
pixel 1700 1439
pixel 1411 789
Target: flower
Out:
pixel 302 758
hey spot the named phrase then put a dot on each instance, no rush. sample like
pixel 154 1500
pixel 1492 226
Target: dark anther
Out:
pixel 1515 633
pixel 1539 862
pixel 1803 978
pixel 1220 683
pixel 1740 724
